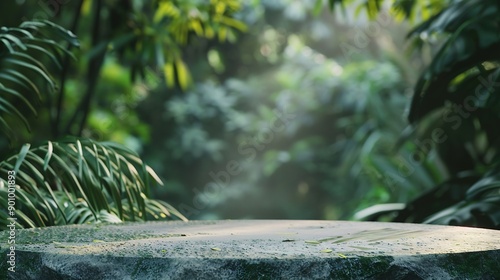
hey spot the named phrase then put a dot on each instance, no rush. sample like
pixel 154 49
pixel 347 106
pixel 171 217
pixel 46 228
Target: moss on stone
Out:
pixel 257 250
pixel 476 265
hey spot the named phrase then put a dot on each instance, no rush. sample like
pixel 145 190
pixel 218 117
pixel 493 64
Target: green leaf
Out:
pixel 183 75
pixel 48 196
pixel 48 156
pixel 318 5
pixel 23 72
pixel 22 154
pixel 168 70
pixel 15 40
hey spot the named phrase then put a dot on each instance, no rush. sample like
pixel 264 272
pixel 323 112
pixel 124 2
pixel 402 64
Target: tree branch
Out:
pixel 93 71
pixel 64 72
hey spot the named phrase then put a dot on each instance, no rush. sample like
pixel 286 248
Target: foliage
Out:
pixel 23 77
pixel 301 171
pixel 460 86
pixel 454 110
pixel 142 39
pixel 413 10
pixel 161 78
pixel 169 28
pixel 79 181
pixel 124 46
pixel 58 180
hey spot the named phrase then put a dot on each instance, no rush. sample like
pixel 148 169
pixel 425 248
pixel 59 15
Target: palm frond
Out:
pixel 79 181
pixel 472 39
pixel 24 71
pixel 484 213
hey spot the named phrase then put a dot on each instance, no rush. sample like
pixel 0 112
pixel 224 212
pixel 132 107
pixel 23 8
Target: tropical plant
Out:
pixel 79 181
pixel 76 179
pixel 66 181
pixel 23 77
pixel 144 35
pixel 454 111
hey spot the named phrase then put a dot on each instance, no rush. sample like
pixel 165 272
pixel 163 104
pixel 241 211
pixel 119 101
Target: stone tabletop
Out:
pixel 255 249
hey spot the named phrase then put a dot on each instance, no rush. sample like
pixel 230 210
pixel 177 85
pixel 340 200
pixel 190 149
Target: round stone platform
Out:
pixel 254 249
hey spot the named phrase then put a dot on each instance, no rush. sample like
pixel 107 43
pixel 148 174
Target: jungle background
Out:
pixel 288 109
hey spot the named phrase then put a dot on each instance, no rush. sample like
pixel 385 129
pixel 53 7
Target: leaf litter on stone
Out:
pixel 61 245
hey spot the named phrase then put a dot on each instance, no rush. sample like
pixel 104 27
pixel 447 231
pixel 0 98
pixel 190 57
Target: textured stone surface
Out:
pixel 262 249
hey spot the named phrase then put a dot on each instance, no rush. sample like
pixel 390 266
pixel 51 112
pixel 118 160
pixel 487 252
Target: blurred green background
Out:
pixel 290 111
pixel 304 108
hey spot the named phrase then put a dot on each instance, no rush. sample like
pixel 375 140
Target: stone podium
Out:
pixel 254 249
